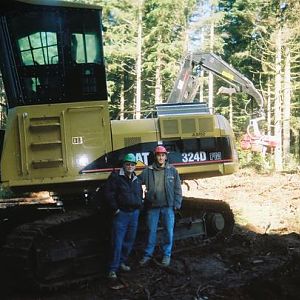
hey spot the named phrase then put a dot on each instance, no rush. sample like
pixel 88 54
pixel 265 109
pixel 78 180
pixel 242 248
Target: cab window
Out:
pixel 39 48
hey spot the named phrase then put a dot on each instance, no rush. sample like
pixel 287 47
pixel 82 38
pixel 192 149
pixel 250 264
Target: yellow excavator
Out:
pixel 59 138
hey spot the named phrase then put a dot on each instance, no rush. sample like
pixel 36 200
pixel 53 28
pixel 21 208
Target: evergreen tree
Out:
pixel 259 37
pixel 165 43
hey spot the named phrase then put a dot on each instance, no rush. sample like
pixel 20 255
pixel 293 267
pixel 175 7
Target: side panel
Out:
pixel 89 134
pixel 126 133
pixel 198 145
pixel 50 144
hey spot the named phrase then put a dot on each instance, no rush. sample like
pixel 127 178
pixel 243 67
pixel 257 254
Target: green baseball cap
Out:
pixel 130 157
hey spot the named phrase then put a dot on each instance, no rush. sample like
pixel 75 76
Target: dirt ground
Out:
pixel 261 260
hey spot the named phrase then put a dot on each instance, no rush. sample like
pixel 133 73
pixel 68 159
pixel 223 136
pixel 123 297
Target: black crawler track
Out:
pixel 203 209
pixel 57 251
pixel 71 248
pixel 192 206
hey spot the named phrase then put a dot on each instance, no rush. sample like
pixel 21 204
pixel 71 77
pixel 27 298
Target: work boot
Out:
pixel 112 275
pixel 125 268
pixel 166 261
pixel 144 261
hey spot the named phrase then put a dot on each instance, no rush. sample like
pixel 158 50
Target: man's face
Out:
pixel 161 158
pixel 129 167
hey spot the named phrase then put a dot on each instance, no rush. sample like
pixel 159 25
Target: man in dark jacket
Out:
pixel 163 196
pixel 124 195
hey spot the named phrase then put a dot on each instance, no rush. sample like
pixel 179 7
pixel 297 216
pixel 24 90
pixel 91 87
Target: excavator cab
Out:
pixel 53 71
pixel 50 55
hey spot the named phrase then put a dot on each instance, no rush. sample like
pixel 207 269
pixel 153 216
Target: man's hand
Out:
pixel 116 212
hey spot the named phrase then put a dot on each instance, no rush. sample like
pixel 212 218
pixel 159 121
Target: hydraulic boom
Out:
pixel 187 82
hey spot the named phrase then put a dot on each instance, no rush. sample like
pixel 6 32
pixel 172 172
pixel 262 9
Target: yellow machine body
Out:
pixel 48 146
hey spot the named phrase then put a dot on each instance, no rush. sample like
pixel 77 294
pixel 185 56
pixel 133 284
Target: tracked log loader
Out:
pixel 59 138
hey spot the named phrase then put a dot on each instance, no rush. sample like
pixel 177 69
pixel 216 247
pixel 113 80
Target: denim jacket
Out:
pixel 172 186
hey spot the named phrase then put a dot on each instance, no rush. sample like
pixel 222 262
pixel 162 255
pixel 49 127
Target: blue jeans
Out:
pixel 123 236
pixel 167 221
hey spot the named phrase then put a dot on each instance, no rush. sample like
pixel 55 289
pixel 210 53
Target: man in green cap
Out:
pixel 125 196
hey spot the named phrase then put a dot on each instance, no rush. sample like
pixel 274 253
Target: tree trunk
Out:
pixel 201 87
pixel 287 105
pixel 139 63
pixel 122 97
pixel 230 111
pixel 185 31
pixel 277 104
pixel 158 87
pixel 210 75
pixel 269 107
pixel 298 143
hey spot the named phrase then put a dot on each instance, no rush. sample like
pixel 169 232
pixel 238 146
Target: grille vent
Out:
pixel 170 127
pixel 188 125
pixel 129 141
pixel 206 124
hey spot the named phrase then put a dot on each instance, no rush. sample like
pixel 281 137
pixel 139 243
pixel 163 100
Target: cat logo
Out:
pixel 141 159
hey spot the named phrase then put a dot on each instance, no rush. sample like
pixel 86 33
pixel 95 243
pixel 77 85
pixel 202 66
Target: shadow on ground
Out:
pixel 245 266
